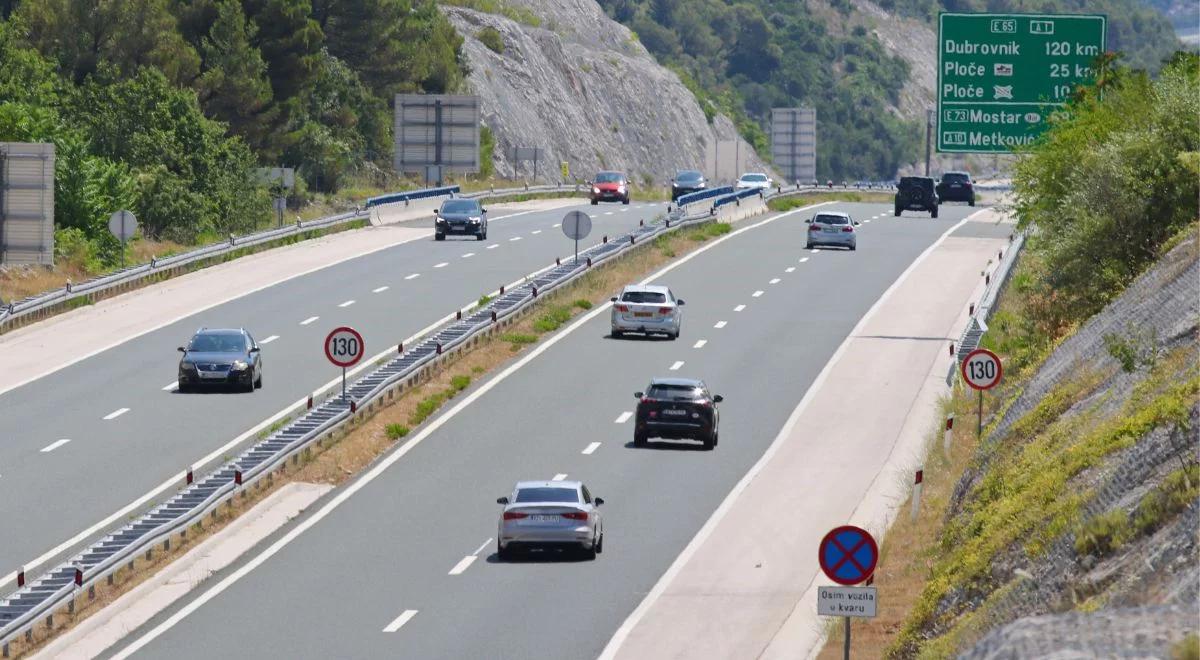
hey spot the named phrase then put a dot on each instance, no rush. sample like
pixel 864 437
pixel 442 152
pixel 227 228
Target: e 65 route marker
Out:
pixel 981 370
pixel 344 347
pixel 848 556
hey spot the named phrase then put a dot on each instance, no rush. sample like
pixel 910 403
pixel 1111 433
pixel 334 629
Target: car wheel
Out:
pixel 639 439
pixel 479 236
pixel 971 202
pixel 933 213
pixel 897 211
pixel 625 201
pixel 617 334
pixel 716 438
pixel 600 544
pixel 808 246
pixel 503 554
pixel 710 442
pixel 853 248
pixel 258 382
pixel 595 202
pixel 184 388
pixel 589 553
pixel 439 237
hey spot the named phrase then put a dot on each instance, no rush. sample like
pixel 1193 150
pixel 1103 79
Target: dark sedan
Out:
pixel 686 182
pixel 460 216
pixel 677 408
pixel 228 357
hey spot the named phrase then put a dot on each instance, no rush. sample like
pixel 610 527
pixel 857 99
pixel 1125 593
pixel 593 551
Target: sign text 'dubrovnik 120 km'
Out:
pixel 1001 75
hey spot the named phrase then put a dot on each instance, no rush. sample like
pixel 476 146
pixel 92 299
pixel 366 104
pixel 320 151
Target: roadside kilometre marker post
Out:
pixel 982 371
pixel 344 347
pixel 848 556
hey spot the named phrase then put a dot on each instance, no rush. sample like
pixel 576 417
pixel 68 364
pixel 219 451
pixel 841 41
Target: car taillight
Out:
pixel 814 228
pixel 622 308
pixel 647 399
pixel 704 403
pixel 847 230
pixel 514 515
pixel 664 310
pixel 575 515
pixel 652 413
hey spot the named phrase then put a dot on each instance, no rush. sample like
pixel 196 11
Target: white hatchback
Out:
pixel 754 180
pixel 647 309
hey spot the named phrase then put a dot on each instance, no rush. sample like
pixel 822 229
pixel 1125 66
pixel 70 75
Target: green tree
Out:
pixel 234 87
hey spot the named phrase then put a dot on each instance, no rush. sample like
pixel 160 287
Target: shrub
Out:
pixel 490 37
pixel 460 383
pixel 396 431
pixel 583 303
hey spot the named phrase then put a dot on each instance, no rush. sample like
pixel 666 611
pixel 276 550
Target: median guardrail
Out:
pixel 994 283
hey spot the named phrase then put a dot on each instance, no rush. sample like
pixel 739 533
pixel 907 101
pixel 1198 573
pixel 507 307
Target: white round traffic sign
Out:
pixel 577 225
pixel 982 369
pixel 344 347
pixel 122 224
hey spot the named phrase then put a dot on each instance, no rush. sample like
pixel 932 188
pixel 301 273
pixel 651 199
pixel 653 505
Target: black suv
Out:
pixel 687 182
pixel 916 193
pixel 956 187
pixel 677 408
pixel 220 357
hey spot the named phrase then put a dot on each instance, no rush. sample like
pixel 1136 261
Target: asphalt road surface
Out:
pixel 81 443
pixel 401 563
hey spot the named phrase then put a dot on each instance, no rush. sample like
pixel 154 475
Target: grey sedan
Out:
pixel 460 216
pixel 832 228
pixel 548 515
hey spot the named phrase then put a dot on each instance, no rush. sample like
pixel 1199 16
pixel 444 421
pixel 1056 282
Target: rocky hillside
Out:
pixel 581 87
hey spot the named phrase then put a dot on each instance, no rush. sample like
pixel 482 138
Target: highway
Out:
pixel 400 562
pixel 83 442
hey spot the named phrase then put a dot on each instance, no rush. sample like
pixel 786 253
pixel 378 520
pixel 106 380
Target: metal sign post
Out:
pixel 280 203
pixel 577 225
pixel 122 224
pixel 981 370
pixel 848 556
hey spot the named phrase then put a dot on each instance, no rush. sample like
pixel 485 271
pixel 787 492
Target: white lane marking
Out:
pixel 624 210
pixel 171 387
pixel 700 344
pixel 591 448
pixel 623 417
pixel 536 231
pixel 442 265
pixel 55 445
pixel 493 246
pixel 400 621
pixel 559 477
pixel 803 259
pixel 814 250
pixel 790 269
pixel 309 320
pixel 385 463
pixel 413 276
pixel 347 303
pixel 468 255
pixel 739 308
pixel 677 365
pixel 515 238
pixel 619 637
pixel 775 280
pixel 756 294
pixel 115 414
pixel 608 213
pixel 463 565
pixel 481 547
pixel 380 289
pixel 719 324
pixel 556 225
pixel 269 339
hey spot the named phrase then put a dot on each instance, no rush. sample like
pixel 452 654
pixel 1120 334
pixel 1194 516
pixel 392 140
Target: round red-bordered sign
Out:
pixel 981 369
pixel 344 347
pixel 848 555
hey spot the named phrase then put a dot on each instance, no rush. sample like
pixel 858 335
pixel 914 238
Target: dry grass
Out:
pixel 364 441
pixel 19 282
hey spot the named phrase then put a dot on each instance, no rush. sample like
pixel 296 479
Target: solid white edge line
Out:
pixel 623 417
pixel 622 633
pixel 462 565
pixel 54 445
pixel 308 320
pixel 395 625
pixel 115 414
pixel 559 477
pixel 480 548
pixel 269 339
pixel 677 366
pixel 592 447
pixel 390 459
pixel 171 387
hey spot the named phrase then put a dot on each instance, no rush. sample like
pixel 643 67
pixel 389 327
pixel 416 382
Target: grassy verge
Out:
pixel 780 204
pixel 364 441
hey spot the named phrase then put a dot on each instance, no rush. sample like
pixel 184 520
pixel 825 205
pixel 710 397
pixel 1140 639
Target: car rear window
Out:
pixel 689 176
pixel 831 220
pixel 218 343
pixel 651 297
pixel 460 206
pixel 956 177
pixel 754 177
pixel 608 177
pixel 675 392
pixel 548 495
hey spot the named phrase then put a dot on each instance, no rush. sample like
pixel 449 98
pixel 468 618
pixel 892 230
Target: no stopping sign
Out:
pixel 344 347
pixel 982 369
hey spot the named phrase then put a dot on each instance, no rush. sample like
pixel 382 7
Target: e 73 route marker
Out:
pixel 1001 75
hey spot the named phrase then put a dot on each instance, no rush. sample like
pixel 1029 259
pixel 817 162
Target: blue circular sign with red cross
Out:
pixel 848 555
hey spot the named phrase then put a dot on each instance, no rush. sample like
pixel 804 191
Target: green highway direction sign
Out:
pixel 1001 75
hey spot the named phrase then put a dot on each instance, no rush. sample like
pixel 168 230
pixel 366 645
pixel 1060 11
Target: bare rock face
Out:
pixel 583 88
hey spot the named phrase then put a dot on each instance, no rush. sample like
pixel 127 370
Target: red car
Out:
pixel 610 187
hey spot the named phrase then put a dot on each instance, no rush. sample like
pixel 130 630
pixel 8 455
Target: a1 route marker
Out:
pixel 981 369
pixel 848 556
pixel 344 347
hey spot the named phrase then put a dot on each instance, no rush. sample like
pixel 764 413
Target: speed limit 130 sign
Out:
pixel 344 347
pixel 981 369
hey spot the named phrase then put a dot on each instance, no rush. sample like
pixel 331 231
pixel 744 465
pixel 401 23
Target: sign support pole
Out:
pixel 846 643
pixel 343 383
pixel 577 252
pixel 979 418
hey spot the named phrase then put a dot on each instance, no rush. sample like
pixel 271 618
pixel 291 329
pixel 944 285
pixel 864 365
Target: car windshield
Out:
pixel 460 206
pixel 688 176
pixel 218 343
pixel 956 177
pixel 754 177
pixel 548 495
pixel 675 392
pixel 643 297
pixel 608 177
pixel 832 220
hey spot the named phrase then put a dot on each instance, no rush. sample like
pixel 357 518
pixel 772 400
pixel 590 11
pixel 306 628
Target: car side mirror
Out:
pixel 598 501
pixel 718 398
pixel 482 210
pixel 501 500
pixel 808 222
pixel 435 213
pixel 613 299
pixel 638 395
pixel 857 223
pixel 680 302
pixel 254 349
pixel 182 349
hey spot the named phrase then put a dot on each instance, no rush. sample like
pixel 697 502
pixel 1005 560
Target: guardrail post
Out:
pixel 557 261
pixel 951 349
pixel 189 476
pixel 458 315
pixel 309 407
pixel 631 239
pixel 1000 255
pixel 439 348
pixel 534 291
pixel 948 434
pixel 400 348
pixel 237 477
pixel 605 239
pixel 501 289
pixel 21 577
pixel 4 650
pixel 91 592
pixel 987 279
pixel 353 406
pixel 971 310
pixel 493 316
pixel 589 262
pixel 232 240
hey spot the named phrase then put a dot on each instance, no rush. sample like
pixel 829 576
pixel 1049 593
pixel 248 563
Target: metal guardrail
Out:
pixel 60 586
pixel 691 198
pixel 972 334
pixel 394 198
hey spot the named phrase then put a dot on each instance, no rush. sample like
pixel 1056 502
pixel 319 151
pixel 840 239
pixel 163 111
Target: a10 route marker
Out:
pixel 848 556
pixel 344 347
pixel 981 370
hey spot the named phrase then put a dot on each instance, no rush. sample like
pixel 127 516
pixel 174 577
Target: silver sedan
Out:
pixel 832 228
pixel 550 514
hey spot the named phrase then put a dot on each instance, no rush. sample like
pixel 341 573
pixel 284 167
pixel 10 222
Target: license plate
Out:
pixel 830 230
pixel 675 413
pixel 956 185
pixel 543 518
pixel 211 374
pixel 643 315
